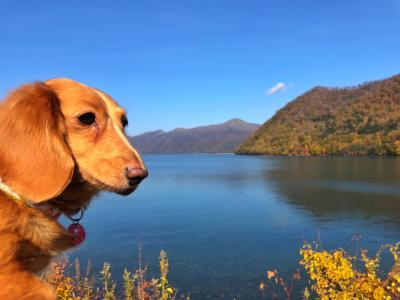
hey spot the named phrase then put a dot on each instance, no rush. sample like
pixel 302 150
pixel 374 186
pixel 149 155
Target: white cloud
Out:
pixel 280 86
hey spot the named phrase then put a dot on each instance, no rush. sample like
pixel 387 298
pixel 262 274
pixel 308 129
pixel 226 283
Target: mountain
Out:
pixel 361 120
pixel 218 138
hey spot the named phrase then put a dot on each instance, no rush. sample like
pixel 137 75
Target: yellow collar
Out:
pixel 10 193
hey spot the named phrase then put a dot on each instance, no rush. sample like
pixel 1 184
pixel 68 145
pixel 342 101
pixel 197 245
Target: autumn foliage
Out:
pixel 362 120
pixel 338 275
pixel 326 275
pixel 87 286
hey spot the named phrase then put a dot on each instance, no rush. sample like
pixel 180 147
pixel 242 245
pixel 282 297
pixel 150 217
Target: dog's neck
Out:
pixel 49 210
pixel 74 198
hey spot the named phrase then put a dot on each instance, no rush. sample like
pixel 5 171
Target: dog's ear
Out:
pixel 35 160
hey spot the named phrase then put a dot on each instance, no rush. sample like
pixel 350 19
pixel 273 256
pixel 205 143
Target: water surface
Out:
pixel 224 219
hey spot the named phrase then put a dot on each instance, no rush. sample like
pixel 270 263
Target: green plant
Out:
pixel 135 285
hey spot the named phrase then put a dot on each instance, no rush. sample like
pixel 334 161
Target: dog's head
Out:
pixel 60 136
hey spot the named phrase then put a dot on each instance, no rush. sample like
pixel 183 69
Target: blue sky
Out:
pixel 188 63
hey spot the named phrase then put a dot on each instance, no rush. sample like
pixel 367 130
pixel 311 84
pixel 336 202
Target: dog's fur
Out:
pixel 48 155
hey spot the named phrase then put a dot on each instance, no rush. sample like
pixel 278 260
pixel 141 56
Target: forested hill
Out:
pixel 361 120
pixel 225 137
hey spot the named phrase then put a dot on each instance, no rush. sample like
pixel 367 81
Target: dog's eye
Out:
pixel 87 118
pixel 124 121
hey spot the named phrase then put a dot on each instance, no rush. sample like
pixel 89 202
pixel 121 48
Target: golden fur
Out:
pixel 48 155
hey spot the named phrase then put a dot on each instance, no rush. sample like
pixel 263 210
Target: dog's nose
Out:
pixel 136 175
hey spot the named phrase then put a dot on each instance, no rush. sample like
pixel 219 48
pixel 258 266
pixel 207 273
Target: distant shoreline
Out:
pixel 319 155
pixel 189 153
pixel 281 155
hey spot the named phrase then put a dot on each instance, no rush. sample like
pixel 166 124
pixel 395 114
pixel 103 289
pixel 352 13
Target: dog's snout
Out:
pixel 136 175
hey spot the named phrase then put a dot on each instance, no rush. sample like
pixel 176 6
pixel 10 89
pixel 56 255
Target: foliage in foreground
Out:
pixel 135 285
pixel 331 275
pixel 337 275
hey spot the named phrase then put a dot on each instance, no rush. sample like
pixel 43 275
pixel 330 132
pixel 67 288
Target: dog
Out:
pixel 61 143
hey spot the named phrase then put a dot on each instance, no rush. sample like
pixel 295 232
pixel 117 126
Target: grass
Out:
pixel 88 286
pixel 327 275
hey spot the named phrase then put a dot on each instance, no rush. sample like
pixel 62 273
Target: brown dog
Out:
pixel 61 142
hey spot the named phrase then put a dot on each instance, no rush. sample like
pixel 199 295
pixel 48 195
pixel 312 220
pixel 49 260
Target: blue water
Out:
pixel 224 220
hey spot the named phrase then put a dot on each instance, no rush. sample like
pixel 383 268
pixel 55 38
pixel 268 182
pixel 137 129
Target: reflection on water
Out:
pixel 225 219
pixel 329 187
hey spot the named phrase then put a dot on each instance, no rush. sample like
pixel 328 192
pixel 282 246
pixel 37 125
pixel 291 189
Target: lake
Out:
pixel 224 220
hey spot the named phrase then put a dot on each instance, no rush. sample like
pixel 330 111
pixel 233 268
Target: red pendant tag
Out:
pixel 78 232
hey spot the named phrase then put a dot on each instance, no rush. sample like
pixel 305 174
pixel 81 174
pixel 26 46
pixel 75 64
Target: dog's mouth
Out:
pixel 127 191
pixel 123 190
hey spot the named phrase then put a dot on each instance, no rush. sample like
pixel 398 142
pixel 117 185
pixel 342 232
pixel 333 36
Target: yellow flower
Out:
pixel 271 274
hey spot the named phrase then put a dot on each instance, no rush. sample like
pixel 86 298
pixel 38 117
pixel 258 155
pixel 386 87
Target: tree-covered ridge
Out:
pixel 218 138
pixel 362 120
